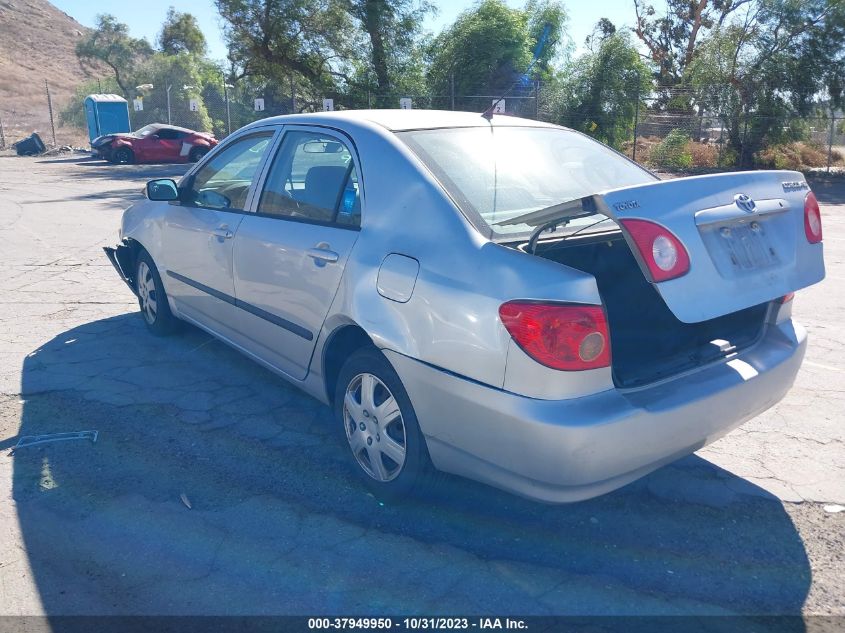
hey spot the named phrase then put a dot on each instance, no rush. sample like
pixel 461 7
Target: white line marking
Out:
pixel 828 367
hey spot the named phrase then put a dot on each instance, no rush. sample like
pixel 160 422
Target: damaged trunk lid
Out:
pixel 744 235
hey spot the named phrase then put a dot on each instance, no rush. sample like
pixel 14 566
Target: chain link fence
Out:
pixel 223 112
pixel 648 133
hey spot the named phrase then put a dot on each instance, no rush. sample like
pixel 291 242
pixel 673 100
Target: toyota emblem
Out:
pixel 746 203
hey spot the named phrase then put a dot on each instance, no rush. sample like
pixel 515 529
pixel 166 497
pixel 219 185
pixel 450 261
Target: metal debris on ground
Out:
pixel 32 440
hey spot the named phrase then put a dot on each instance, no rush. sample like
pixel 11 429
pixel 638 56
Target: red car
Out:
pixel 154 143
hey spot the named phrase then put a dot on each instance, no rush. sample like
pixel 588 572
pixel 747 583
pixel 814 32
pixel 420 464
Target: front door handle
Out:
pixel 223 232
pixel 321 253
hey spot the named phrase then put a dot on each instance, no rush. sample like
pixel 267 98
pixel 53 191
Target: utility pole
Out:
pixel 169 86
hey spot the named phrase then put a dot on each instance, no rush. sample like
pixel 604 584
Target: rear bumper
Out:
pixel 567 450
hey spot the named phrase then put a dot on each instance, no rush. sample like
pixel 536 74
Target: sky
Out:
pixel 145 18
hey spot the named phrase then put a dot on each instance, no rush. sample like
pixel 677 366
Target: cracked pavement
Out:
pixel 276 525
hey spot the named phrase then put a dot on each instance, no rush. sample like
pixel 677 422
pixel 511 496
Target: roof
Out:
pixel 159 126
pixel 106 98
pixel 400 120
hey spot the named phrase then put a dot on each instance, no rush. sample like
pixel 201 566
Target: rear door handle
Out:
pixel 223 232
pixel 319 254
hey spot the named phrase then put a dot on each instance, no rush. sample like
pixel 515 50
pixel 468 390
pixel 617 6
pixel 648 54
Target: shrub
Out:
pixel 797 155
pixel 703 154
pixel 672 151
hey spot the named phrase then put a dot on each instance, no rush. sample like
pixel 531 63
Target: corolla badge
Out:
pixel 745 203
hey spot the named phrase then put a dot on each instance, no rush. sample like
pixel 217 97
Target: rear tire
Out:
pixel 152 299
pixel 124 156
pixel 379 428
pixel 197 153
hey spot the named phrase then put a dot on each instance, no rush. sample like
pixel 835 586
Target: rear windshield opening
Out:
pixel 497 175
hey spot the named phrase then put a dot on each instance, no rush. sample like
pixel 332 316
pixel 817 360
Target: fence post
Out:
pixel 537 99
pixel 744 142
pixel 830 140
pixel 721 141
pixel 50 108
pixel 228 112
pixel 452 88
pixel 636 118
pixel 292 96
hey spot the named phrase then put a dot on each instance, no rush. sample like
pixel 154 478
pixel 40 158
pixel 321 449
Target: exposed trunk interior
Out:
pixel 648 342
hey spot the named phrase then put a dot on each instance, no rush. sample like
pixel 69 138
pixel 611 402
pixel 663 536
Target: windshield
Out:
pixel 496 174
pixel 146 130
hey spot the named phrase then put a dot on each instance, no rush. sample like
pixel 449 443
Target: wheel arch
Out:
pixel 340 344
pixel 127 254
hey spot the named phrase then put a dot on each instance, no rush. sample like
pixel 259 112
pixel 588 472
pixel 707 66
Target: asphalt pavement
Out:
pixel 216 488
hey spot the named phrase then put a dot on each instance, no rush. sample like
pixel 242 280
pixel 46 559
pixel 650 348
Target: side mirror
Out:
pixel 163 189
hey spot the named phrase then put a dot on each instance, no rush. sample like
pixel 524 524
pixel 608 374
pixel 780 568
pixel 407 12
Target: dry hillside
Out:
pixel 37 43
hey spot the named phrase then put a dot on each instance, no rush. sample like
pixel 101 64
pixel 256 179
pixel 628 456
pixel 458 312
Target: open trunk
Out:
pixel 740 241
pixel 647 341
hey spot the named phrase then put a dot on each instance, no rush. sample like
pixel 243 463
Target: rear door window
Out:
pixel 313 178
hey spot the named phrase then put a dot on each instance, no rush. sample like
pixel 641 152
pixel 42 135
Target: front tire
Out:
pixel 152 299
pixel 124 156
pixel 380 428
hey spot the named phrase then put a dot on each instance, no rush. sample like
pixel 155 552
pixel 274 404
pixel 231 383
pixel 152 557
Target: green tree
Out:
pixel 110 44
pixel 187 77
pixel 314 41
pixel 181 34
pixel 757 72
pixel 672 33
pixel 600 90
pixel 491 45
pixel 392 29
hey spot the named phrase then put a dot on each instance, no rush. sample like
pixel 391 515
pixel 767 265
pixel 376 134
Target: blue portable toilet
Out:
pixel 106 114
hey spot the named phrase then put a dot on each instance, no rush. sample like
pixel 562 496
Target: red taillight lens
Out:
pixel 787 298
pixel 812 219
pixel 663 254
pixel 567 337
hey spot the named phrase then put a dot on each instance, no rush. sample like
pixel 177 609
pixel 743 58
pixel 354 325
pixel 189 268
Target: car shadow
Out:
pixel 215 487
pixel 93 167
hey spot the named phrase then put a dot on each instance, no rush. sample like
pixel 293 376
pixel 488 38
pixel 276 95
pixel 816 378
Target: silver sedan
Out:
pixel 499 298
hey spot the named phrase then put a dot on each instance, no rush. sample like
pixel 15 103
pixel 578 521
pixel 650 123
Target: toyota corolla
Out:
pixel 494 297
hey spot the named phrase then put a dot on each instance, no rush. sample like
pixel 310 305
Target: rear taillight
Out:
pixel 663 254
pixel 812 219
pixel 787 298
pixel 566 337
